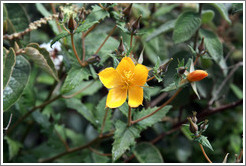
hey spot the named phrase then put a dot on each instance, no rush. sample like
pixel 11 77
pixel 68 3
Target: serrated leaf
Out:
pixel 8 65
pixel 17 82
pixel 166 27
pixel 124 109
pixel 100 113
pixel 223 11
pixel 14 147
pixel 74 77
pixel 42 58
pixel 213 44
pixel 204 141
pixel 148 122
pixel 124 137
pixel 58 37
pixel 147 153
pixel 207 16
pixel 81 108
pixel 186 26
pixel 97 13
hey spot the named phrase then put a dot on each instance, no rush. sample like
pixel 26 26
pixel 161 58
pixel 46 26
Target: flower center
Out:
pixel 127 77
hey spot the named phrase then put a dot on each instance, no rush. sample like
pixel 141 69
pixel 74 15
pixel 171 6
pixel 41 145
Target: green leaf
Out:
pixel 96 14
pixel 166 27
pixel 8 65
pixel 17 82
pixel 186 131
pixel 42 58
pixel 223 11
pixel 124 109
pixel 237 91
pixel 213 44
pixel 148 122
pixel 81 108
pixel 204 141
pixel 100 113
pixel 124 137
pixel 41 119
pixel 58 37
pixel 207 16
pixel 40 7
pixel 185 26
pixel 164 10
pixel 74 78
pixel 147 153
pixel 14 147
pixel 237 7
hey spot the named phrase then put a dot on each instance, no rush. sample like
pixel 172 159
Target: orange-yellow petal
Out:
pixel 116 97
pixel 110 78
pixel 126 65
pixel 197 75
pixel 135 97
pixel 141 74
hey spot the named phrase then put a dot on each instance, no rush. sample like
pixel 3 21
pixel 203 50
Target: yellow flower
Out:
pixel 125 79
pixel 197 75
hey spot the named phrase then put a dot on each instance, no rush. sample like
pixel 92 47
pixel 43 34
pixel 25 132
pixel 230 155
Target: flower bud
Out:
pixel 93 59
pixel 136 25
pixel 164 67
pixel 201 47
pixel 127 11
pixel 121 48
pixel 71 24
pixel 204 126
pixel 60 15
pixel 194 119
pixel 193 126
pixel 197 75
pixel 16 47
pixel 82 15
pixel 181 70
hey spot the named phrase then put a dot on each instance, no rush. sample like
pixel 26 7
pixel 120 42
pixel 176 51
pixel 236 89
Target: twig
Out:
pixel 75 52
pixel 78 92
pixel 99 153
pixel 90 29
pixel 204 153
pixel 83 46
pixel 111 32
pixel 163 105
pixel 30 112
pixel 103 124
pixel 75 149
pixel 129 116
pixel 151 78
pixel 158 99
pixel 10 119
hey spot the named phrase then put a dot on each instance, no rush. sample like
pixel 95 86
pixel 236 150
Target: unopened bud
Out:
pixel 164 67
pixel 127 11
pixel 82 15
pixel 204 126
pixel 197 75
pixel 121 48
pixel 60 15
pixel 71 24
pixel 181 70
pixel 93 59
pixel 136 25
pixel 201 47
pixel 193 118
pixel 16 47
pixel 193 126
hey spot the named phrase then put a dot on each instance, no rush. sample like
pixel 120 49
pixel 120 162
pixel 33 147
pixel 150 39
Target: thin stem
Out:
pixel 99 153
pixel 83 46
pixel 111 32
pixel 74 94
pixel 102 6
pixel 30 112
pixel 163 105
pixel 129 116
pixel 103 124
pixel 10 119
pixel 90 29
pixel 74 149
pixel 197 31
pixel 151 78
pixel 66 29
pixel 131 45
pixel 75 52
pixel 197 57
pixel 54 12
pixel 204 153
pixel 62 140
